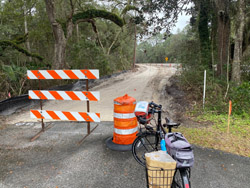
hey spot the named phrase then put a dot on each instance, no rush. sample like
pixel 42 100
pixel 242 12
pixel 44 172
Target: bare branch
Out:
pixel 114 41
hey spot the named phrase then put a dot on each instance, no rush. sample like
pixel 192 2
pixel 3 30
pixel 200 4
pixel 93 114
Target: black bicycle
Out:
pixel 148 140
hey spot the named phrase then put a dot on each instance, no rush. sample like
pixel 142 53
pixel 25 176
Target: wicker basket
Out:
pixel 159 177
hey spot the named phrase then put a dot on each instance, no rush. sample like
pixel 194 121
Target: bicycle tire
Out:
pixel 143 144
pixel 181 179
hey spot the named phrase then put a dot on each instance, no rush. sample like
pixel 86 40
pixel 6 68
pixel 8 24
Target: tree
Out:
pixel 203 28
pixel 61 35
pixel 240 22
pixel 63 29
pixel 223 28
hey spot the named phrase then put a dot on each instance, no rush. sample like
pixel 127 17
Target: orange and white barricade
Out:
pixel 64 95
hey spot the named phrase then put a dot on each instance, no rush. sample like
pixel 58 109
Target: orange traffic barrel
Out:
pixel 125 124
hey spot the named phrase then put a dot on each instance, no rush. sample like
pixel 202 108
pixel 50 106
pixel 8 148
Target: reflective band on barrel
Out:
pixel 117 103
pixel 125 131
pixel 124 116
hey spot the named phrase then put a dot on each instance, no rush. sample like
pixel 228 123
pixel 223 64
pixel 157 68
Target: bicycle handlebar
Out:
pixel 153 105
pixel 154 108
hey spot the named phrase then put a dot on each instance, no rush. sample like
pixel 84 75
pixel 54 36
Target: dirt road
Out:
pixel 147 83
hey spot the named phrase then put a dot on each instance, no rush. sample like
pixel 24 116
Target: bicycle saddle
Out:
pixel 170 123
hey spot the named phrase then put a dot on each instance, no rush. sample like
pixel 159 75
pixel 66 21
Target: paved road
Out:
pixel 55 160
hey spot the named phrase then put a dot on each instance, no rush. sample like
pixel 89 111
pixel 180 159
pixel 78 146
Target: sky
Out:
pixel 183 20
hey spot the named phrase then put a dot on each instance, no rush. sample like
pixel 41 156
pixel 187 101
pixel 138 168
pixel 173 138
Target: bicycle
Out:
pixel 149 141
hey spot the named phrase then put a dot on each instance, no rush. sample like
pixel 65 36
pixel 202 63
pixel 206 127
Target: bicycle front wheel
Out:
pixel 144 144
pixel 181 178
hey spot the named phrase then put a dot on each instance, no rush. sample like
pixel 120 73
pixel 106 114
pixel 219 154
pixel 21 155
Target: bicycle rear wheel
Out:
pixel 144 144
pixel 181 178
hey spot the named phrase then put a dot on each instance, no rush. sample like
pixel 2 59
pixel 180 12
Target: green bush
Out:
pixel 240 97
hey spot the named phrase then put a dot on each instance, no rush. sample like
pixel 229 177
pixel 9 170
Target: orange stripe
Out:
pixel 54 74
pixel 88 74
pixel 125 120
pixel 38 74
pixel 125 125
pixel 37 114
pixel 124 108
pixel 69 116
pixel 70 74
pixel 40 94
pixel 28 77
pixel 98 114
pixel 52 114
pixel 85 116
pixel 124 139
pixel 72 95
pixel 56 95
pixel 90 96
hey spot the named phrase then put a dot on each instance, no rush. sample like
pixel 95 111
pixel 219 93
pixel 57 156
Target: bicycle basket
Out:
pixel 159 177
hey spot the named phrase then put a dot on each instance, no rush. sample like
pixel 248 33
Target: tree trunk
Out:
pixel 59 50
pixel 214 28
pixel 223 35
pixel 59 61
pixel 204 33
pixel 26 28
pixel 77 33
pixel 238 42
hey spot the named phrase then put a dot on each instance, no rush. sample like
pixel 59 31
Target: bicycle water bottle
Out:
pixel 163 145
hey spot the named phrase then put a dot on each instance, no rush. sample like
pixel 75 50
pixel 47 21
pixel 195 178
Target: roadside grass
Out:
pixel 214 134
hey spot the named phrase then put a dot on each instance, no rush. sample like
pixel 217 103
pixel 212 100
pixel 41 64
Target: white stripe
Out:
pixel 61 115
pixel 81 95
pixel 45 114
pixel 95 72
pixel 33 95
pixel 48 95
pixel 125 131
pixel 124 116
pixel 46 74
pixel 32 115
pixel 77 116
pixel 31 75
pixel 62 74
pixel 79 74
pixel 96 94
pixel 94 117
pixel 64 95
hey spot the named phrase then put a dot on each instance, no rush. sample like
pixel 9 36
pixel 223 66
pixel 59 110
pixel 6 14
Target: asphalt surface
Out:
pixel 56 160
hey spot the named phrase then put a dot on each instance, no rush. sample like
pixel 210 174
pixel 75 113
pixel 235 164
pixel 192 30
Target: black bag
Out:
pixel 179 149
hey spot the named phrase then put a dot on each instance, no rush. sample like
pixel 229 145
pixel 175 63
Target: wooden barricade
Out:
pixel 64 95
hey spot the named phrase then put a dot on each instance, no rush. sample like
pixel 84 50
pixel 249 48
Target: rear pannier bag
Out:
pixel 179 149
